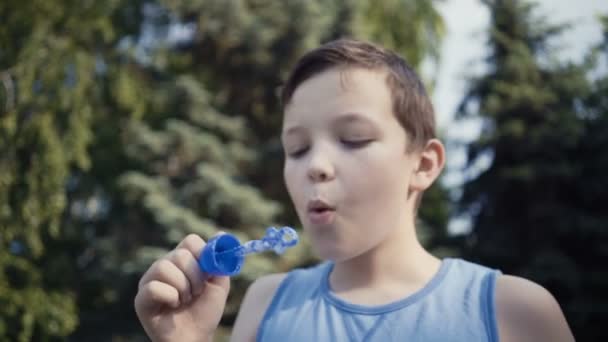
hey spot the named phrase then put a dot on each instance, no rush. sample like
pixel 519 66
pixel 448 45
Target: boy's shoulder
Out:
pixel 267 284
pixel 254 305
pixel 259 296
pixel 525 311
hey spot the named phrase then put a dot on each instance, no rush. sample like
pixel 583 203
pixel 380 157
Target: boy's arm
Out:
pixel 525 311
pixel 256 301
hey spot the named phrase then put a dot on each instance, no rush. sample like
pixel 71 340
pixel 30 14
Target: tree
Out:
pixel 531 211
pixel 587 306
pixel 49 70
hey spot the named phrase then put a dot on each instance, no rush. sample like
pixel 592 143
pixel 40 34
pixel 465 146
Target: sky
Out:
pixel 466 23
pixel 463 49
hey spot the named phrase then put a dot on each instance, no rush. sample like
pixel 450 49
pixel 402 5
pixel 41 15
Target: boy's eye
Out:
pixel 355 143
pixel 296 153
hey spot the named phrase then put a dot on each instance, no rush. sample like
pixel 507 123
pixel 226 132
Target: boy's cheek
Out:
pixel 296 190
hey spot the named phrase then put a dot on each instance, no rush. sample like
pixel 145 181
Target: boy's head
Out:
pixel 358 134
pixel 411 104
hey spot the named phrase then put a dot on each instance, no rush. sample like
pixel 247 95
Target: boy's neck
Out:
pixel 398 266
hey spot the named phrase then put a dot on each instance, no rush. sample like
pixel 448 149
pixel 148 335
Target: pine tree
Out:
pixel 529 215
pixel 587 305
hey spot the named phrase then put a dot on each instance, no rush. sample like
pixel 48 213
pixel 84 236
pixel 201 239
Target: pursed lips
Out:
pixel 320 212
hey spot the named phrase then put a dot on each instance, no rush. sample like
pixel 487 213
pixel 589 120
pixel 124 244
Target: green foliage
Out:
pixel 47 73
pixel 49 82
pixel 399 24
pixel 535 209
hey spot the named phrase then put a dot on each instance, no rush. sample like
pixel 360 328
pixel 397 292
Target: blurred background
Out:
pixel 125 125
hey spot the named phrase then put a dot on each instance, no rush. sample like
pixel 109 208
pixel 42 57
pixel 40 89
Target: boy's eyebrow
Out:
pixel 353 117
pixel 291 130
pixel 343 118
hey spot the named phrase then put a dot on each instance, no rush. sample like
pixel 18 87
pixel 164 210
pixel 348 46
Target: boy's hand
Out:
pixel 178 302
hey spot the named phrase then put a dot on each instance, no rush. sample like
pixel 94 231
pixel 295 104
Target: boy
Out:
pixel 358 135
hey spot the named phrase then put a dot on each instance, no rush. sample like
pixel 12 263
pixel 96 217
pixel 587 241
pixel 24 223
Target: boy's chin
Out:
pixel 325 252
pixel 333 253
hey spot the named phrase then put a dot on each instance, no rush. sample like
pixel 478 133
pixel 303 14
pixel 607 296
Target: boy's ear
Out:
pixel 431 161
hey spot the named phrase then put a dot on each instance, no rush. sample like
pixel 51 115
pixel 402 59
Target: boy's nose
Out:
pixel 318 175
pixel 320 169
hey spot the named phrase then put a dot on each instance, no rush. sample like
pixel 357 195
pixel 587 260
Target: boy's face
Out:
pixel 346 167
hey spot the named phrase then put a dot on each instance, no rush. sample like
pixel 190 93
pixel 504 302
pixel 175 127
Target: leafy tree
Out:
pixel 49 71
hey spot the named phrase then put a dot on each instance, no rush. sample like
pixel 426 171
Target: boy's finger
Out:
pixel 216 291
pixel 222 282
pixel 193 243
pixel 188 264
pixel 153 295
pixel 165 271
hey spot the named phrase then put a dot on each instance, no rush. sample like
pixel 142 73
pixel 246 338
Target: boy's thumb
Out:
pixel 216 291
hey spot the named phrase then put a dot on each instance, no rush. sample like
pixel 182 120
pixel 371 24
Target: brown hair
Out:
pixel 411 104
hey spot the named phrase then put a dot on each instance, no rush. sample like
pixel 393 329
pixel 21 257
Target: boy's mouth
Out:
pixel 319 212
pixel 319 206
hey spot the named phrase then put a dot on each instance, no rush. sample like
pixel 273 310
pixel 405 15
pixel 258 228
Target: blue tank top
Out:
pixel 457 304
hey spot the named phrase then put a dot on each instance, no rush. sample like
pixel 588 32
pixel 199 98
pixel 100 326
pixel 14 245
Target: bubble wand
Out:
pixel 224 255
